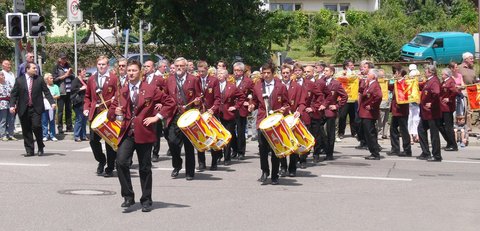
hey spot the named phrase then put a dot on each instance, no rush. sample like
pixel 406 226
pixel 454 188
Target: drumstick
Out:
pixel 103 101
pixel 188 104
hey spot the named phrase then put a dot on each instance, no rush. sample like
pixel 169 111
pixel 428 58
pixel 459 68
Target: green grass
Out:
pixel 300 52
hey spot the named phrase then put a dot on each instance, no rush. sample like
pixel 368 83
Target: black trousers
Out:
pixel 238 138
pixel 97 150
pixel 371 136
pixel 303 158
pixel 423 127
pixel 399 127
pixel 230 126
pixel 31 122
pixel 264 150
pixel 176 139
pixel 64 102
pixel 447 129
pixel 292 165
pixel 328 134
pixel 347 110
pixel 156 145
pixel 125 154
pixel 317 128
pixel 360 132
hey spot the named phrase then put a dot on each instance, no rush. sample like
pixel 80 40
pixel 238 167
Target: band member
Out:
pixel 210 103
pixel 122 72
pixel 231 100
pixel 335 98
pixel 399 124
pixel 245 85
pixel 135 106
pixel 103 84
pixel 365 67
pixel 369 111
pixel 296 99
pixel 448 94
pixel 26 98
pixel 349 108
pixel 183 88
pixel 317 125
pixel 269 94
pixel 430 114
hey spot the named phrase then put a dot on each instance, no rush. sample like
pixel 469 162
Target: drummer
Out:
pixel 296 99
pixel 184 90
pixel 135 106
pixel 210 103
pixel 269 96
pixel 231 100
pixel 103 83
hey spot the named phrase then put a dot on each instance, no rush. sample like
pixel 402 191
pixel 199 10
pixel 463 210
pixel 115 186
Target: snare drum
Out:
pixel 304 137
pixel 279 136
pixel 222 134
pixel 108 130
pixel 196 130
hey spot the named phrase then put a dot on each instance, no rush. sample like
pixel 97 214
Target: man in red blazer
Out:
pixel 369 111
pixel 272 90
pixel 399 124
pixel 136 105
pixel 105 83
pixel 317 117
pixel 335 98
pixel 296 99
pixel 448 94
pixel 210 103
pixel 231 100
pixel 431 115
pixel 183 88
pixel 245 85
pixel 365 67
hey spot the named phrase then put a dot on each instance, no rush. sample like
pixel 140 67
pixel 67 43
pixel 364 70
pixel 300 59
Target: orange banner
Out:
pixel 473 94
pixel 350 84
pixel 407 91
pixel 384 86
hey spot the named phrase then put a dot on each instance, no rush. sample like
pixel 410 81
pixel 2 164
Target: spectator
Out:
pixel 10 78
pixel 5 89
pixel 63 77
pixel 460 99
pixel 461 131
pixel 29 58
pixel 79 85
pixel 48 115
pixel 384 110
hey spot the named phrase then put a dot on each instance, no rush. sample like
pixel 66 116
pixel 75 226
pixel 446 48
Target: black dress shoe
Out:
pixel 201 166
pixel 292 174
pixel 175 172
pixel 189 178
pixel 283 172
pixel 316 158
pixel 146 208
pixel 108 173
pixel 392 153
pixel 226 163
pixel 451 149
pixel 213 168
pixel 372 157
pixel 234 155
pixel 405 154
pixel 127 203
pixel 303 165
pixel 361 147
pixel 264 177
pixel 423 157
pixel 28 154
pixel 155 158
pixel 274 181
pixel 327 158
pixel 241 157
pixel 100 168
pixel 435 160
pixel 40 152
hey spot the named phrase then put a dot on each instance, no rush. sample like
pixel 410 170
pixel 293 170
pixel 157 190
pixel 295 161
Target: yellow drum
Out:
pixel 108 130
pixel 196 130
pixel 279 136
pixel 304 137
pixel 222 134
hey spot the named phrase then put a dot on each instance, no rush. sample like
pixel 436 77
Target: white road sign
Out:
pixel 75 15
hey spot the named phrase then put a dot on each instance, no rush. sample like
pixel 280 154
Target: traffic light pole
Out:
pixel 17 45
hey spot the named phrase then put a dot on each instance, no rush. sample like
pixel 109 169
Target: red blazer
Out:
pixel 91 98
pixel 334 94
pixel 311 91
pixel 157 81
pixel 245 87
pixel 231 97
pixel 371 96
pixel 148 96
pixel 278 98
pixel 399 110
pixel 296 97
pixel 448 90
pixel 318 99
pixel 189 88
pixel 430 93
pixel 211 94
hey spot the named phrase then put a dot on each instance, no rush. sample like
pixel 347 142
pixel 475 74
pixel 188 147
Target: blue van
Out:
pixel 441 47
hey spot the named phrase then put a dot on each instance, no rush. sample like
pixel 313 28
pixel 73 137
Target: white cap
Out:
pixel 467 55
pixel 412 67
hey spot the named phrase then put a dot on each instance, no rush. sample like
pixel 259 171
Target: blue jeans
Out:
pixel 80 127
pixel 3 122
pixel 48 126
pixel 10 124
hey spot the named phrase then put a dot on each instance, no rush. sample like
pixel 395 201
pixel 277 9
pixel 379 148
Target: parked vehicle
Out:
pixel 132 56
pixel 109 36
pixel 439 47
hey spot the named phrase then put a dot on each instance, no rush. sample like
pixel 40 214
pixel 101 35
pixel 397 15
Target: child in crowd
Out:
pixel 461 131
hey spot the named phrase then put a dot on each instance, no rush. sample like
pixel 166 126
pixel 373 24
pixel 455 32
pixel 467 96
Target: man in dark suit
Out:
pixel 272 90
pixel 102 83
pixel 210 103
pixel 448 94
pixel 27 99
pixel 369 111
pixel 335 98
pixel 136 105
pixel 183 88
pixel 430 115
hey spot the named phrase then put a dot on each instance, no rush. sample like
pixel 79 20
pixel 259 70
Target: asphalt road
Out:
pixel 60 191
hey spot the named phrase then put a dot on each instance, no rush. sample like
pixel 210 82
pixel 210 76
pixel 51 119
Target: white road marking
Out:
pixel 26 165
pixel 413 159
pixel 366 178
pixel 86 149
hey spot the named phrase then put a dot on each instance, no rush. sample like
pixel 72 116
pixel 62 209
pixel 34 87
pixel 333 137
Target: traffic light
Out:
pixel 35 28
pixel 14 25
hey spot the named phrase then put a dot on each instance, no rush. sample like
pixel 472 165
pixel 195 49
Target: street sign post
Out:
pixel 75 16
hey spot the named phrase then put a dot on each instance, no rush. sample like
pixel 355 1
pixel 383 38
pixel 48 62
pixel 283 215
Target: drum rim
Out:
pixel 184 115
pixel 270 116
pixel 95 122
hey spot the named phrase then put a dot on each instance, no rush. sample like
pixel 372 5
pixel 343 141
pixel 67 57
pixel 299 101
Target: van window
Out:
pixel 438 43
pixel 423 41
